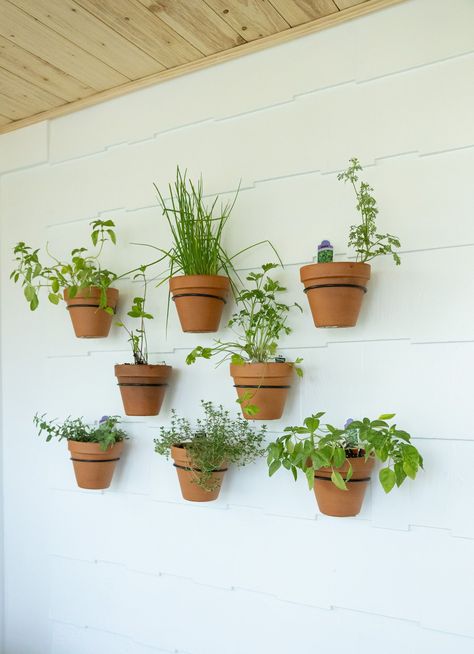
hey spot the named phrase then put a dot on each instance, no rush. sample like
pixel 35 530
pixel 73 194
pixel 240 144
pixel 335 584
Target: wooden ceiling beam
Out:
pixel 190 66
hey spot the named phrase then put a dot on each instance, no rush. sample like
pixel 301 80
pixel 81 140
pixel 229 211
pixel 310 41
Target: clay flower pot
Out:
pixel 93 467
pixel 265 384
pixel 87 319
pixel 335 502
pixel 142 387
pixel 199 301
pixel 335 291
pixel 187 477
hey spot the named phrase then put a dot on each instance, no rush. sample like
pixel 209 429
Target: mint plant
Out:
pixel 106 433
pixel 83 270
pixel 313 446
pixel 364 238
pixel 258 326
pixel 137 337
pixel 211 441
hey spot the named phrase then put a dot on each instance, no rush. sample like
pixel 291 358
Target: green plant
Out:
pixel 197 231
pixel 137 337
pixel 212 441
pixel 313 446
pixel 364 238
pixel 106 433
pixel 82 271
pixel 258 326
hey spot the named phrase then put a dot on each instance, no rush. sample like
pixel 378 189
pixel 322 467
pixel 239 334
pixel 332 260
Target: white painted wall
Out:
pixel 137 570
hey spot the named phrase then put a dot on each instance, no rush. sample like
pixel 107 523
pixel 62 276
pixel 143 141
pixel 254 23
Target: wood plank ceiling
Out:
pixel 60 55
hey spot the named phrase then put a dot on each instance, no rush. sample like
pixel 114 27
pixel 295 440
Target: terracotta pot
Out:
pixel 87 319
pixel 267 384
pixel 93 467
pixel 187 477
pixel 199 301
pixel 142 387
pixel 335 291
pixel 333 501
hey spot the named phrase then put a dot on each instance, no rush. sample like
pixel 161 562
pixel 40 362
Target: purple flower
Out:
pixel 348 422
pixel 103 419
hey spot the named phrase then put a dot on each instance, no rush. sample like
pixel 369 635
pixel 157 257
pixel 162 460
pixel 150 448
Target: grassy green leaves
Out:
pixel 197 229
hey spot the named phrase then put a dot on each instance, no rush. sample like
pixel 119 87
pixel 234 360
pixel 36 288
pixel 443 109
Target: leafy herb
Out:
pixel 82 271
pixel 106 433
pixel 364 238
pixel 313 446
pixel 258 326
pixel 212 441
pixel 137 337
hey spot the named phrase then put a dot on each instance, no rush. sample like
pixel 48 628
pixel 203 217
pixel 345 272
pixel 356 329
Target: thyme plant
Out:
pixel 313 446
pixel 364 238
pixel 212 441
pixel 106 433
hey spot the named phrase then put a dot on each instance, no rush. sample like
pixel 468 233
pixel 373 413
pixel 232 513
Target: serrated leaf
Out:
pixel 251 409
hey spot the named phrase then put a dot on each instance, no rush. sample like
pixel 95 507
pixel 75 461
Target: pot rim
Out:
pixel 335 269
pixel 262 371
pixel 142 368
pixel 94 447
pixel 216 282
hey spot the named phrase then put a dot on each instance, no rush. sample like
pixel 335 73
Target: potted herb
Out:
pixel 81 282
pixel 203 452
pixel 262 380
pixel 338 462
pixel 335 289
pixel 141 384
pixel 200 271
pixel 95 449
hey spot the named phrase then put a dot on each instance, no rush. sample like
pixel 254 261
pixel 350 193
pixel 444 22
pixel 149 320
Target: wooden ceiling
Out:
pixel 60 55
